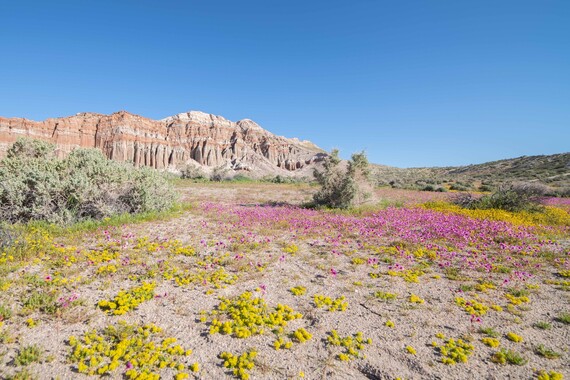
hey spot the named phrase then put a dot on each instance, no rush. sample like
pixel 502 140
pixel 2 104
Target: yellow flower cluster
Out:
pixel 240 365
pixel 132 346
pixel 552 375
pixel 104 256
pixel 415 299
pixel 552 216
pixel 454 351
pixel 514 337
pixel 174 247
pixel 4 258
pixel 278 343
pixel 410 275
pixel 351 344
pixel 150 246
pixel 5 284
pixel 291 248
pixel 218 278
pixel 472 306
pixel 491 342
pixel 564 273
pixel 337 304
pixel 302 335
pixel 517 300
pixel 129 300
pixel 106 269
pixel 485 286
pixel 385 296
pixel 248 315
pixel 178 249
pixel 298 290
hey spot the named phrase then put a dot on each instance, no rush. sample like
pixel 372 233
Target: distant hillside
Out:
pixel 552 170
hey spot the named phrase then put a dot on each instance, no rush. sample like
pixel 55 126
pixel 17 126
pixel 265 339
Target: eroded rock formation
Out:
pixel 198 137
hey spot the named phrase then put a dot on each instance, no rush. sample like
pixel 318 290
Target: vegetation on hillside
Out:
pixel 551 170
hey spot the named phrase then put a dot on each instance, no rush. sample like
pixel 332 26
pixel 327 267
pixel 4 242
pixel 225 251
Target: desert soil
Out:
pixel 240 238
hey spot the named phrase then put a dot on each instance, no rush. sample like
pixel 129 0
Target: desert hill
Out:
pixel 193 137
pixel 552 170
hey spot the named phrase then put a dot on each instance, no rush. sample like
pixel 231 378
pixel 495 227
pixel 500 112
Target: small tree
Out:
pixel 342 185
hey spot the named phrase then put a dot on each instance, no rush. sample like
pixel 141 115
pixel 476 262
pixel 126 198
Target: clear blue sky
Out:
pixel 414 83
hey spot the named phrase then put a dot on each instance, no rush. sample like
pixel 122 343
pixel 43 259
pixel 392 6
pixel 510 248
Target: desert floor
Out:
pixel 384 292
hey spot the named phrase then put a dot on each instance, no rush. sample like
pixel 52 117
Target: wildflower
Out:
pixel 475 318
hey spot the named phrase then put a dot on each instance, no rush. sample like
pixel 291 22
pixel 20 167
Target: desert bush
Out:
pixel 242 178
pixel 193 172
pixel 563 192
pixel 36 185
pixel 342 186
pixel 220 173
pixel 440 189
pixel 460 186
pixel 485 188
pixel 465 200
pixel 509 197
pixel 281 179
pixel 7 236
pixel 395 184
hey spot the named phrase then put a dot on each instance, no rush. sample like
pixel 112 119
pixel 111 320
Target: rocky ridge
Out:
pixel 193 137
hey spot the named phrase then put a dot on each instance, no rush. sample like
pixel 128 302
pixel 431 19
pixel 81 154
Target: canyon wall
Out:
pixel 192 137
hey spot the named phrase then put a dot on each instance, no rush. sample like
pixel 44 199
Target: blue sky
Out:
pixel 414 83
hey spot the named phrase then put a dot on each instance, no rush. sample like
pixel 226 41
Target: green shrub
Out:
pixel 342 186
pixel 7 236
pixel 242 178
pixel 43 302
pixel 564 318
pixel 28 355
pixel 24 374
pixel 485 188
pixel 546 352
pixel 193 172
pixel 504 356
pixel 542 325
pixel 510 197
pixel 460 186
pixel 37 185
pixel 436 188
pixel 5 312
pixel 280 179
pixel 219 173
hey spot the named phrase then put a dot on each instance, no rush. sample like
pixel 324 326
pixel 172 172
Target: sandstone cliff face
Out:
pixel 197 137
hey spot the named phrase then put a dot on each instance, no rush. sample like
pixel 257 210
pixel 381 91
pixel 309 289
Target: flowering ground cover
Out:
pixel 248 285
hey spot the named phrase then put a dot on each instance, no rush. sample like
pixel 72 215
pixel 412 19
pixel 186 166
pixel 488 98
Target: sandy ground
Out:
pixel 257 253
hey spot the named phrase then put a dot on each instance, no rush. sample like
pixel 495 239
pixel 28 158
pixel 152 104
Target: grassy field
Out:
pixel 242 283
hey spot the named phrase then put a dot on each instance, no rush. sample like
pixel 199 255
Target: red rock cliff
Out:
pixel 172 142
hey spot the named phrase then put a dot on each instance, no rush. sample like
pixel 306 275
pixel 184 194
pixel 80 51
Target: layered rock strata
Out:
pixel 196 137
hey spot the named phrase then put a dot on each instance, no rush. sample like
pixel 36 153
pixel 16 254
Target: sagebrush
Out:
pixel 37 185
pixel 513 197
